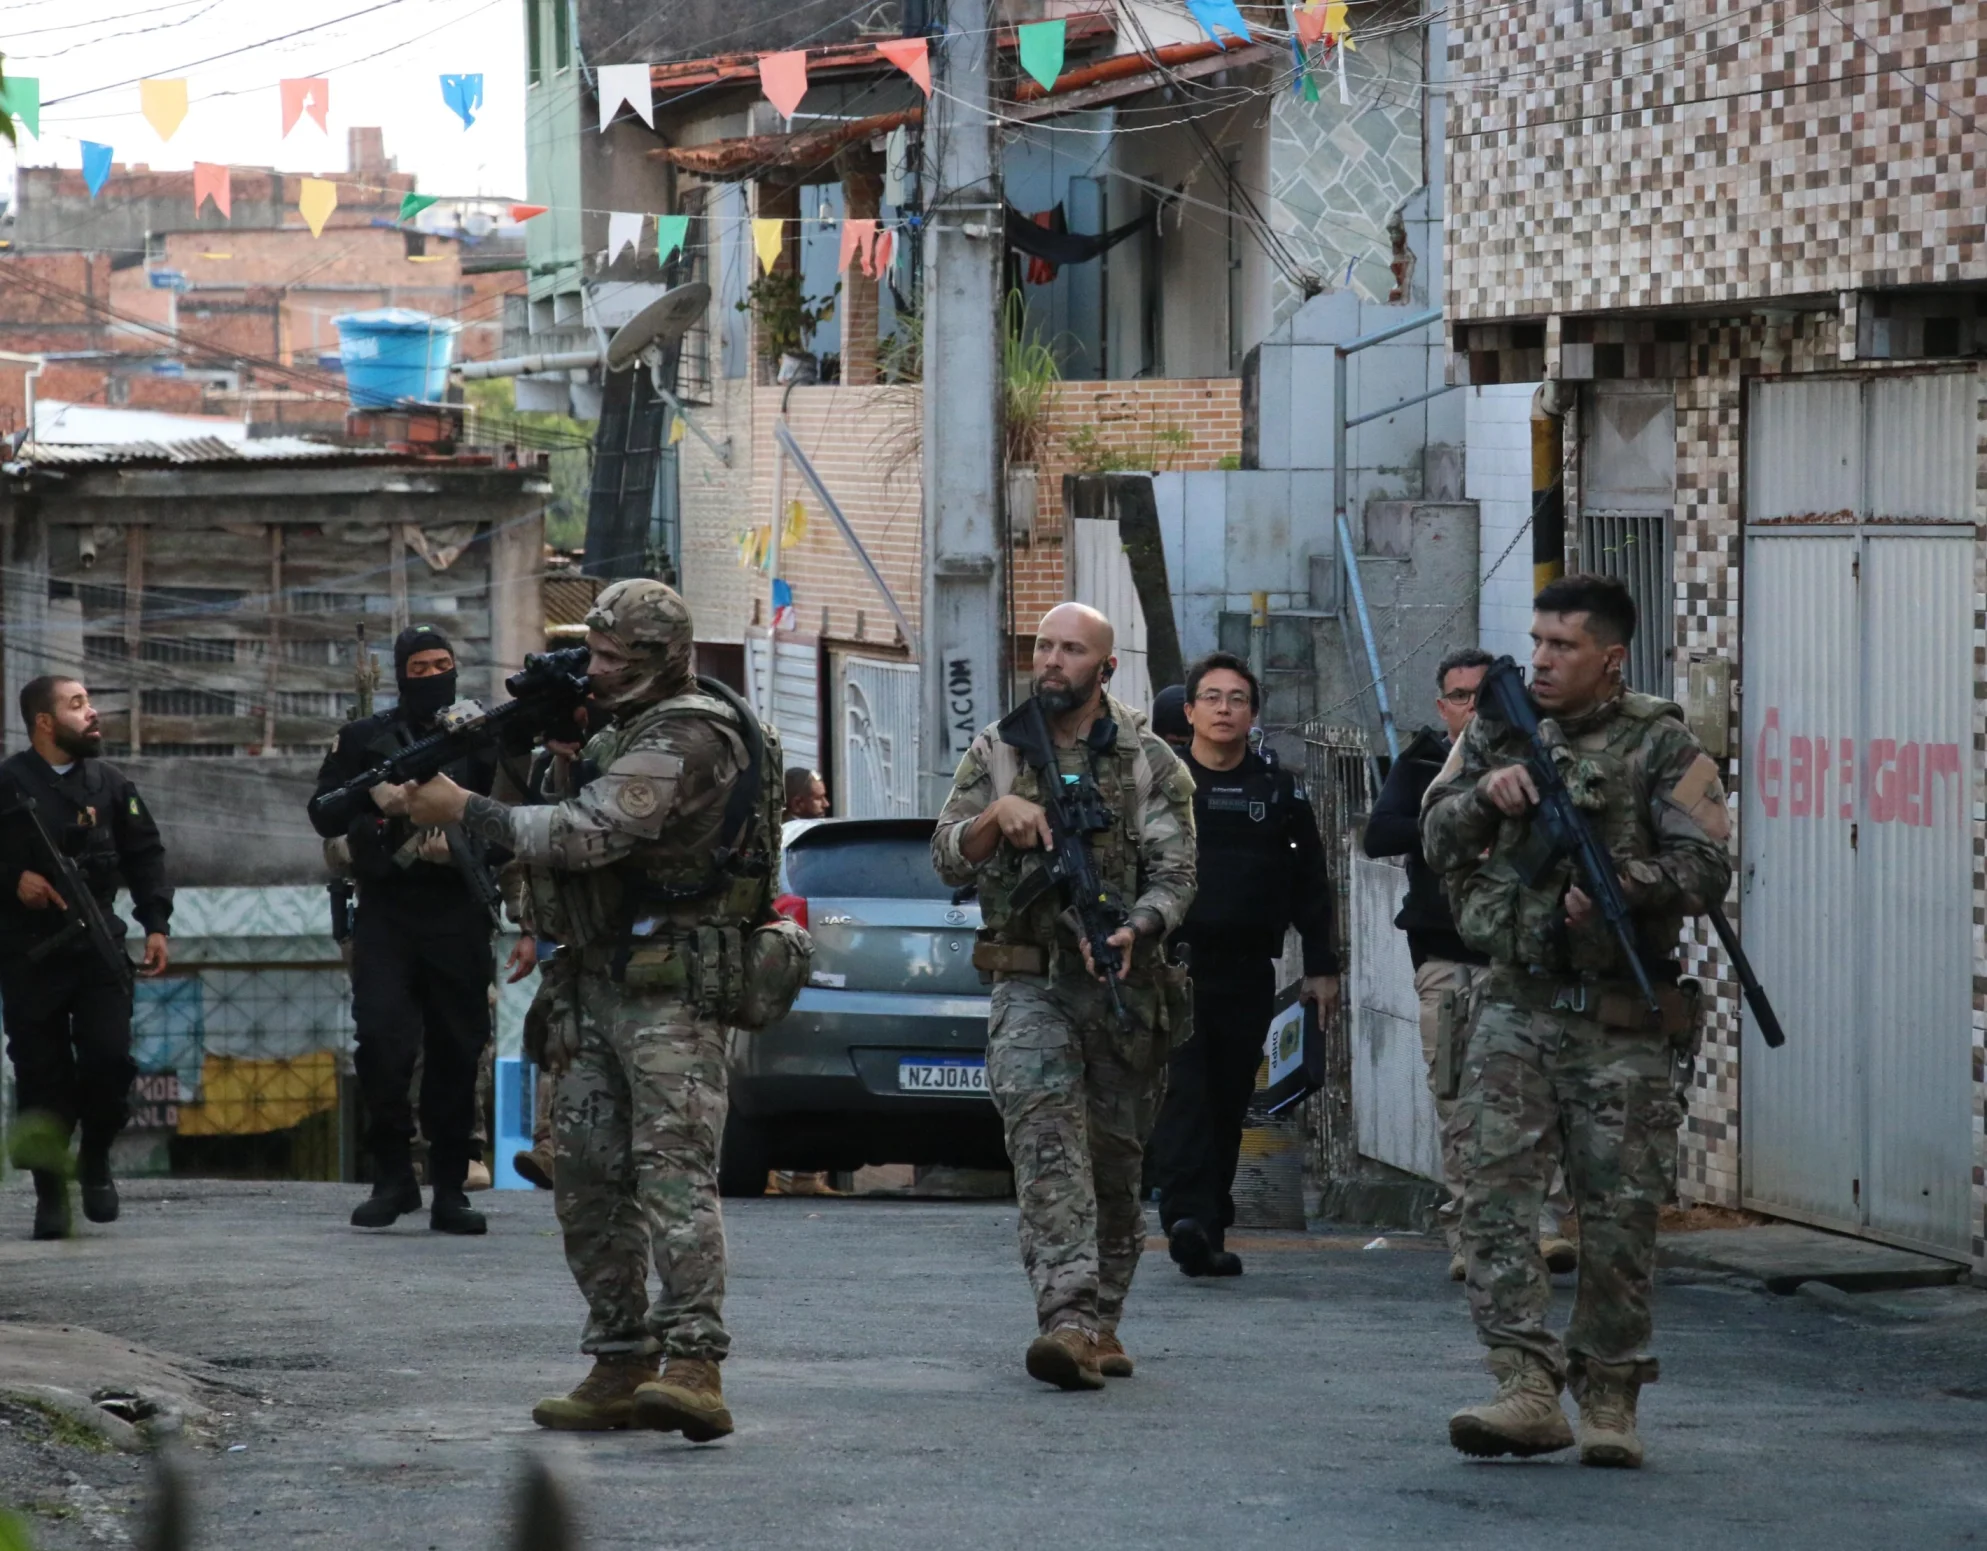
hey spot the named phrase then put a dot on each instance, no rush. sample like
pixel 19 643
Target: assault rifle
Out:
pixel 1075 810
pixel 545 694
pixel 85 917
pixel 1564 832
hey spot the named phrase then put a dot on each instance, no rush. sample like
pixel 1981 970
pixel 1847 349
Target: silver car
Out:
pixel 883 1058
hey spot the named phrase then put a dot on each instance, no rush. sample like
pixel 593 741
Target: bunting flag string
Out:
pixel 96 166
pixel 213 180
pixel 523 213
pixel 910 55
pixel 1043 46
pixel 671 231
pixel 857 238
pixel 768 236
pixel 306 94
pixel 21 96
pixel 463 96
pixel 163 103
pixel 783 78
pixel 316 199
pixel 624 230
pixel 412 205
pixel 1222 14
pixel 629 84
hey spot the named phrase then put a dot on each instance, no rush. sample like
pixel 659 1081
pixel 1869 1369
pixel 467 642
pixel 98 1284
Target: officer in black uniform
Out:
pixel 1262 870
pixel 421 963
pixel 68 1016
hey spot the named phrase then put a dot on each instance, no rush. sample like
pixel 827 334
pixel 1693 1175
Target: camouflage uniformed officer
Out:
pixel 1077 1091
pixel 632 1016
pixel 1566 1061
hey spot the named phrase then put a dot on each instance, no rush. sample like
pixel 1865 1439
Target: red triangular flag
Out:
pixel 910 55
pixel 212 181
pixel 526 212
pixel 312 93
pixel 879 253
pixel 856 238
pixel 783 78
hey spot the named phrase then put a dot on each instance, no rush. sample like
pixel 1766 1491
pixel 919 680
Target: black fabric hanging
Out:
pixel 1066 247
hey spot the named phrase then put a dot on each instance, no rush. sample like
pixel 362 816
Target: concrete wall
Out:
pixel 1499 480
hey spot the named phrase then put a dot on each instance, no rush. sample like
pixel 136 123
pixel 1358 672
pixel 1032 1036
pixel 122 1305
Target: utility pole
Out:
pixel 962 654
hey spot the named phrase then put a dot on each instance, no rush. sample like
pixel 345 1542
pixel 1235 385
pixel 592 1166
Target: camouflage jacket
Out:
pixel 1654 799
pixel 654 814
pixel 1147 858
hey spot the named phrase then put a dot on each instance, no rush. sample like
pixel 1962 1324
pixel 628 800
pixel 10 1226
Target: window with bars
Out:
pixel 186 702
pixel 1636 546
pixel 692 264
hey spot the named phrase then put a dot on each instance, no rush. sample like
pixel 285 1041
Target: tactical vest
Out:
pixel 1498 915
pixel 1124 780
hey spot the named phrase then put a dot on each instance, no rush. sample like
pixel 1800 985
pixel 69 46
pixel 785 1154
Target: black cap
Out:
pixel 1169 714
pixel 417 638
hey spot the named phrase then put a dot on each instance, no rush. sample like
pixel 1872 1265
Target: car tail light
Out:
pixel 793 907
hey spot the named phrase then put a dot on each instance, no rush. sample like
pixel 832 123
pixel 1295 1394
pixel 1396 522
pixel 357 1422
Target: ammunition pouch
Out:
pixel 747 979
pixel 1612 1004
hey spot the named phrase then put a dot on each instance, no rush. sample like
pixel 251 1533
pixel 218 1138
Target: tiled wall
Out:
pixel 1639 153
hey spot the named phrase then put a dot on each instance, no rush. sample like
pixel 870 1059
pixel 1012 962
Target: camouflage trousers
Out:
pixel 1539 1089
pixel 1446 989
pixel 637 1119
pixel 1077 1100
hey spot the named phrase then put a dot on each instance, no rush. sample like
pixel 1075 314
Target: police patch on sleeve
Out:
pixel 133 800
pixel 638 798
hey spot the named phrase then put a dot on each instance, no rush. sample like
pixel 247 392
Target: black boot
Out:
pixel 1188 1244
pixel 453 1214
pixel 51 1205
pixel 393 1197
pixel 99 1189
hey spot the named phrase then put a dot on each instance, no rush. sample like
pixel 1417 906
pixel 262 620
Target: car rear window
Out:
pixel 872 867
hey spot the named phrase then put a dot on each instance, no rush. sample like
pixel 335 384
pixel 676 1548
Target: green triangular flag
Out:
pixel 1310 87
pixel 412 205
pixel 670 231
pixel 22 96
pixel 1042 45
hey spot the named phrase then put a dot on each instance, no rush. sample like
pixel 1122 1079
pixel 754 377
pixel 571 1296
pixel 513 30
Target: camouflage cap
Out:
pixel 650 622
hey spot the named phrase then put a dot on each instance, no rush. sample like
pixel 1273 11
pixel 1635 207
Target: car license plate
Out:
pixel 962 1076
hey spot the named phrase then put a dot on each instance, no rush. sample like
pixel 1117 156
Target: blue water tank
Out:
pixel 395 353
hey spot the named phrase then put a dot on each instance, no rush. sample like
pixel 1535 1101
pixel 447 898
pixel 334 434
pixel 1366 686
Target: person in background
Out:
pixel 1262 869
pixel 1449 975
pixel 807 794
pixel 1169 717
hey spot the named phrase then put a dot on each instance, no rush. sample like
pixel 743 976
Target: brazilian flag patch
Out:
pixel 134 805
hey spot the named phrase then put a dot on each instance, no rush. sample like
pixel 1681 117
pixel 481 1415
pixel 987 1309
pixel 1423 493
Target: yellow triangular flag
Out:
pixel 1336 26
pixel 768 236
pixel 164 103
pixel 677 429
pixel 316 199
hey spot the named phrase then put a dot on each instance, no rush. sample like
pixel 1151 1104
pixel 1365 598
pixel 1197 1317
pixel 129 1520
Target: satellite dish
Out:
pixel 664 321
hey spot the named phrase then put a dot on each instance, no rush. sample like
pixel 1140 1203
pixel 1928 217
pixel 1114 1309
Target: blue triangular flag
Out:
pixel 1223 14
pixel 464 95
pixel 96 165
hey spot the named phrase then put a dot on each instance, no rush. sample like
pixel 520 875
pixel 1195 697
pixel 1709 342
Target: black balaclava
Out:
pixel 422 700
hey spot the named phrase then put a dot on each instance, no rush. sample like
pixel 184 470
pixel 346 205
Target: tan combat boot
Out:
pixel 604 1400
pixel 1524 1419
pixel 1067 1358
pixel 536 1166
pixel 1113 1361
pixel 688 1398
pixel 1561 1255
pixel 1607 1393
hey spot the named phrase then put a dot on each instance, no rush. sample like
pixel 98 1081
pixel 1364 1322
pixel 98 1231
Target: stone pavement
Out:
pixel 383 1384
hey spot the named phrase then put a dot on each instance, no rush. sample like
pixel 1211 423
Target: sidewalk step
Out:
pixel 1781 1256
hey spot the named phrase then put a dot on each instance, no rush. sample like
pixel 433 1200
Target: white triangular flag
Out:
pixel 624 230
pixel 629 84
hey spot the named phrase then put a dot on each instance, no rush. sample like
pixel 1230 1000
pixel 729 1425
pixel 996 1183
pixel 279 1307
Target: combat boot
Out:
pixel 1191 1248
pixel 452 1212
pixel 536 1165
pixel 477 1175
pixel 1524 1419
pixel 1607 1393
pixel 1067 1358
pixel 1561 1254
pixel 99 1190
pixel 51 1205
pixel 688 1398
pixel 393 1197
pixel 603 1401
pixel 1113 1361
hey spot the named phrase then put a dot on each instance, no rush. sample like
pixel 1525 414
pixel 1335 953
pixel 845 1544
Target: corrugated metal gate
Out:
pixel 878 721
pixel 791 698
pixel 1100 575
pixel 1856 885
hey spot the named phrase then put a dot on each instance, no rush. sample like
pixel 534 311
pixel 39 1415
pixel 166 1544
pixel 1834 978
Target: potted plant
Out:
pixel 787 317
pixel 1029 376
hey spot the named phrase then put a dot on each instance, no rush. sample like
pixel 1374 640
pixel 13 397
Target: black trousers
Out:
pixel 419 992
pixel 1198 1138
pixel 69 1037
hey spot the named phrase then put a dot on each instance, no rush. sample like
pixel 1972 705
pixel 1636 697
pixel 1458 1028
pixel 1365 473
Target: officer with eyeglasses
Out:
pixel 1262 870
pixel 1449 976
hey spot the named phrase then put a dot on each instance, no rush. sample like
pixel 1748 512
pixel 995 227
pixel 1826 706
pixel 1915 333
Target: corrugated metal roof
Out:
pixel 203 449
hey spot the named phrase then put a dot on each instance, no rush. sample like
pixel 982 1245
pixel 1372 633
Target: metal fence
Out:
pixel 1339 773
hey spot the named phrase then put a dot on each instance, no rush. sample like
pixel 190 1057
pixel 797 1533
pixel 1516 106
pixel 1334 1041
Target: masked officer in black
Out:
pixel 68 1015
pixel 1262 870
pixel 421 965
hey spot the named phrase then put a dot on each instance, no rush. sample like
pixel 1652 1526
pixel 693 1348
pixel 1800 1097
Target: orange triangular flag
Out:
pixel 1310 23
pixel 164 104
pixel 856 238
pixel 910 55
pixel 526 212
pixel 211 180
pixel 783 78
pixel 312 93
pixel 879 253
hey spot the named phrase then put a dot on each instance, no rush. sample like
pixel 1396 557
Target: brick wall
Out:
pixel 1645 154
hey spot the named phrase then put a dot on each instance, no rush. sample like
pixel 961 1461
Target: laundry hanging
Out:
pixel 1057 245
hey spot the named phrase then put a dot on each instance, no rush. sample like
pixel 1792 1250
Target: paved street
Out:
pixel 881 1401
